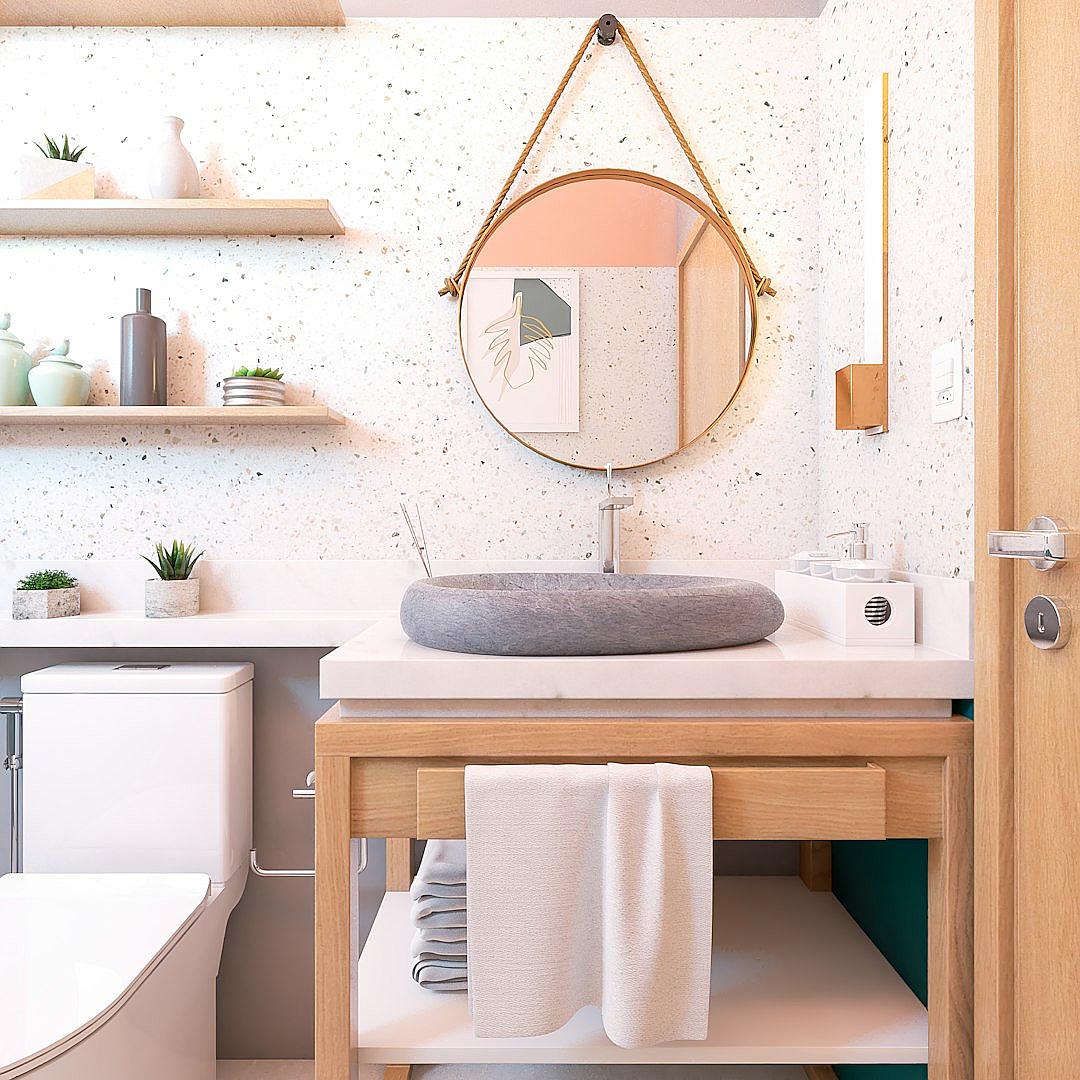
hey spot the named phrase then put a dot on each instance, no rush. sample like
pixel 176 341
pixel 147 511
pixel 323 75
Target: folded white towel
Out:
pixel 423 948
pixel 431 905
pixel 445 934
pixel 439 919
pixel 610 870
pixel 437 976
pixel 441 871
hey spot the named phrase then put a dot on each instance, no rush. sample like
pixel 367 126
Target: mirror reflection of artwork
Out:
pixel 607 317
pixel 522 346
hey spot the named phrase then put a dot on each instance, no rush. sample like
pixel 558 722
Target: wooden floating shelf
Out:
pixel 794 979
pixel 171 415
pixel 169 217
pixel 171 13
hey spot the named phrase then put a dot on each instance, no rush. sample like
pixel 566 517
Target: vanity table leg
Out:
pixel 333 923
pixel 951 956
pixel 815 864
pixel 398 864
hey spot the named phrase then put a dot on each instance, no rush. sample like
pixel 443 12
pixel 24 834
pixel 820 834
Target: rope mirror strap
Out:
pixel 452 284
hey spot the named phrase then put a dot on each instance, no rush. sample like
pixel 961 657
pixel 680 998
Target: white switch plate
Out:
pixel 947 383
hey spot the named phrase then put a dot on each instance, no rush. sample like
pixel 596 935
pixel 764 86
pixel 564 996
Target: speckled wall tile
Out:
pixel 915 484
pixel 409 127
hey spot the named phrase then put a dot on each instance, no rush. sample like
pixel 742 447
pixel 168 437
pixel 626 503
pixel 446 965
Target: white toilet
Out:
pixel 137 810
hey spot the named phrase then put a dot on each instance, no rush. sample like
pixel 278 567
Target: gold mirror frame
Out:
pixel 714 219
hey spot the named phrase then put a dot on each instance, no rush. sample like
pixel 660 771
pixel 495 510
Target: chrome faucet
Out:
pixel 609 521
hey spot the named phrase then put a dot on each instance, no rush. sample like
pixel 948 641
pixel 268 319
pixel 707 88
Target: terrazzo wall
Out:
pixel 915 484
pixel 409 128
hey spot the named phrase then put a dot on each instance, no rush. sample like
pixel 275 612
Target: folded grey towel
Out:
pixel 424 949
pixel 441 975
pixel 455 967
pixel 444 935
pixel 450 985
pixel 442 870
pixel 442 920
pixel 438 911
pixel 424 892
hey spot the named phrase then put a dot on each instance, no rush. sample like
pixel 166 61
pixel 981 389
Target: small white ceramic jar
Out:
pixel 58 382
pixel 15 366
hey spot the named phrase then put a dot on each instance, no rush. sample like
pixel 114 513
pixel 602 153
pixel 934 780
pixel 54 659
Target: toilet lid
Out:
pixel 75 945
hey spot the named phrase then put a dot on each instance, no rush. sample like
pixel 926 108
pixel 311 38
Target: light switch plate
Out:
pixel 947 383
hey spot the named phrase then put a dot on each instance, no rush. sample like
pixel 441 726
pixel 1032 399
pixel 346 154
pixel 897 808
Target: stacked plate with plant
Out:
pixel 255 386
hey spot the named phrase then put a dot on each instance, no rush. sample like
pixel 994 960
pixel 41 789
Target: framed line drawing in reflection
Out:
pixel 522 345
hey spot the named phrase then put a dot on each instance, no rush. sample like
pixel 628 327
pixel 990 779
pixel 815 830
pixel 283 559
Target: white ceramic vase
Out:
pixel 172 172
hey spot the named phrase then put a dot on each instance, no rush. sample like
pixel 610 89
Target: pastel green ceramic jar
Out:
pixel 57 382
pixel 15 364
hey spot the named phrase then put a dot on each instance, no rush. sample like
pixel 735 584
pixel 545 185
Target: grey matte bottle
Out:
pixel 144 362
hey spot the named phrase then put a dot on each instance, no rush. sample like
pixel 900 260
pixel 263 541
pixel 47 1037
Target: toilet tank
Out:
pixel 137 768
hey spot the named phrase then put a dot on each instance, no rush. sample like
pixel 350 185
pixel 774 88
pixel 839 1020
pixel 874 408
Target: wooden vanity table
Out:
pixel 818 993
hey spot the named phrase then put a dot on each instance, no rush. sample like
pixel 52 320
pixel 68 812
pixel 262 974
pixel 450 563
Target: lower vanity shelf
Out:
pixel 794 980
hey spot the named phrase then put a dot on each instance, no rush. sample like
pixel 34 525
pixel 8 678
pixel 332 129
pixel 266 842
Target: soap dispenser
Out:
pixel 858 563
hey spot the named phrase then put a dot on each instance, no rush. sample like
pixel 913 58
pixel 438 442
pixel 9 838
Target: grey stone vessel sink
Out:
pixel 589 614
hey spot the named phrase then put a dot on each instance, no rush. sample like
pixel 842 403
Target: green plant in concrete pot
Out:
pixel 46 594
pixel 174 593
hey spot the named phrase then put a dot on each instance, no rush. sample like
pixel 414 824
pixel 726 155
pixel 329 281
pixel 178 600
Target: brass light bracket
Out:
pixel 862 390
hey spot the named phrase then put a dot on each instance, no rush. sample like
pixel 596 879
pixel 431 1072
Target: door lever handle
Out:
pixel 1045 543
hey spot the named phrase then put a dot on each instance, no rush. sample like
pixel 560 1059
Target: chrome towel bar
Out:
pixel 263 871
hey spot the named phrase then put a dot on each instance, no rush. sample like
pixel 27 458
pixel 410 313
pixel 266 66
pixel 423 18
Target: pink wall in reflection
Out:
pixel 590 223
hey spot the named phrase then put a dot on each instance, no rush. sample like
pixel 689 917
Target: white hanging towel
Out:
pixel 590 885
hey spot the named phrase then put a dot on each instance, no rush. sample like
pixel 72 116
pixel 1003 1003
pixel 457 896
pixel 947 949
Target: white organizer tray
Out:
pixel 794 981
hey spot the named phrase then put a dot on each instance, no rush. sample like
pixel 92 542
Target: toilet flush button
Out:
pixel 1047 622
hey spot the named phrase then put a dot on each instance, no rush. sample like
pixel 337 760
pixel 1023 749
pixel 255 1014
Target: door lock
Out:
pixel 1047 622
pixel 1046 543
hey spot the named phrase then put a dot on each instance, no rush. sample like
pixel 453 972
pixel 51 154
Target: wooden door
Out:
pixel 1027 707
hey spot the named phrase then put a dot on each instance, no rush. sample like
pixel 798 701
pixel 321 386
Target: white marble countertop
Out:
pixel 208 630
pixel 382 664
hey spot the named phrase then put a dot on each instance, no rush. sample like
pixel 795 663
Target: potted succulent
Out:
pixel 47 594
pixel 255 386
pixel 58 173
pixel 174 593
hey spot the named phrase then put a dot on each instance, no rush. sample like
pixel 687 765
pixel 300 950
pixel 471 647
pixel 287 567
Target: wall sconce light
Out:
pixel 862 390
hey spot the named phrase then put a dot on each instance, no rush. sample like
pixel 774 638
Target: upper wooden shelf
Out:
pixel 171 13
pixel 169 217
pixel 172 415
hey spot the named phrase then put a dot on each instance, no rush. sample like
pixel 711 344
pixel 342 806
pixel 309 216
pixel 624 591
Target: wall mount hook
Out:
pixel 607 29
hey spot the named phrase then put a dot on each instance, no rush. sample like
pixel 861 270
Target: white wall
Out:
pixel 410 127
pixel 915 484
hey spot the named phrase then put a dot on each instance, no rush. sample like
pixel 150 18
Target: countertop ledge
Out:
pixel 208 630
pixel 381 663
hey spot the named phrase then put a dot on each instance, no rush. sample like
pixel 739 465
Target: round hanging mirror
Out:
pixel 607 317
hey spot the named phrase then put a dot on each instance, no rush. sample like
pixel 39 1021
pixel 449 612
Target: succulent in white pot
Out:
pixel 174 593
pixel 255 386
pixel 46 594
pixel 58 173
